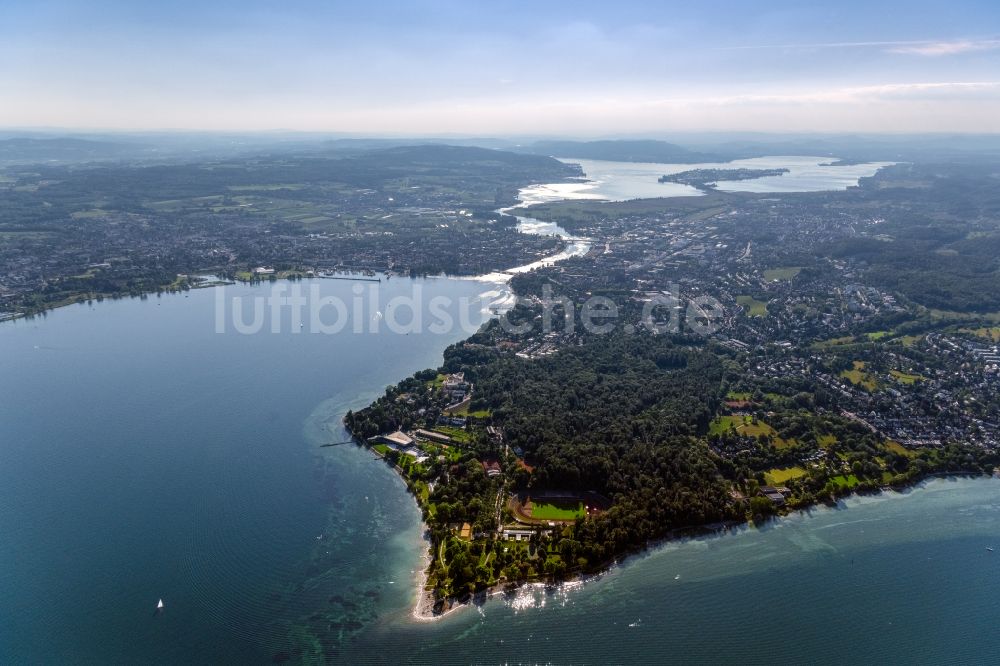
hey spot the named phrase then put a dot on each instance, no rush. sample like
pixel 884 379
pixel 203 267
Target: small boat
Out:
pixel 159 606
pixel 989 548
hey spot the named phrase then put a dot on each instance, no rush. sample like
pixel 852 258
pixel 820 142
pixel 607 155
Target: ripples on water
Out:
pixel 872 575
pixel 144 455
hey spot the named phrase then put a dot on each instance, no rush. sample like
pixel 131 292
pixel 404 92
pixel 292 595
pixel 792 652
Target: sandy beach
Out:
pixel 423 609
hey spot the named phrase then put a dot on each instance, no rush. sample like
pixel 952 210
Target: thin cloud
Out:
pixel 939 91
pixel 943 87
pixel 821 45
pixel 947 48
pixel 923 47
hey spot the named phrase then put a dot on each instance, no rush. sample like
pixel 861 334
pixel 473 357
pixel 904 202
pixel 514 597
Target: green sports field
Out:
pixel 557 509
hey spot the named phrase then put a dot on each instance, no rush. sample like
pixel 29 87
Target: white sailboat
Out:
pixel 159 606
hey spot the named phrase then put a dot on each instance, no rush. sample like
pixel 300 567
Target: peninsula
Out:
pixel 542 454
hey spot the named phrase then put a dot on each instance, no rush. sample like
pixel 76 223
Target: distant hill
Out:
pixel 25 149
pixel 131 182
pixel 855 147
pixel 701 148
pixel 349 146
pixel 449 155
pixel 623 151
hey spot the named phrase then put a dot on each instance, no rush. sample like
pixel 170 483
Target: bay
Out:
pixel 620 181
pixel 146 455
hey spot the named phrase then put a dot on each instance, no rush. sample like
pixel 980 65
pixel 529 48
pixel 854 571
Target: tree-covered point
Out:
pixel 668 429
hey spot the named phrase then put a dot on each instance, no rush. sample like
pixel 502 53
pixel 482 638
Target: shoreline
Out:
pixel 426 601
pixel 423 610
pixel 424 607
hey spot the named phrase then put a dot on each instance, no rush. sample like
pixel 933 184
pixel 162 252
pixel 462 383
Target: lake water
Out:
pixel 897 578
pixel 144 455
pixel 621 181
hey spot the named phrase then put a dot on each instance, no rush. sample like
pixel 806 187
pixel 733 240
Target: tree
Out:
pixel 761 507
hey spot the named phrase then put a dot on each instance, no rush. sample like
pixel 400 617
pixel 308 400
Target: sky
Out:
pixel 501 68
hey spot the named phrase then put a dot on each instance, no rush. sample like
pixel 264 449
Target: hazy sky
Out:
pixel 583 68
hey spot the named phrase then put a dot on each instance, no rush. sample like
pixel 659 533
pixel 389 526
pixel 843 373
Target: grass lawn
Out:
pixel 464 411
pixel 738 395
pixel 457 434
pixel 905 378
pixel 896 447
pixel 835 342
pixel 992 333
pixel 859 377
pixel 848 481
pixel 780 443
pixel 780 475
pixel 753 307
pixel 776 274
pixel 557 510
pixel 825 440
pixel 746 427
pixel 909 340
pixel 878 335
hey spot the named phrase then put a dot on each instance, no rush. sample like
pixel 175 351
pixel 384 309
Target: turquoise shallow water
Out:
pixel 897 578
pixel 143 455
